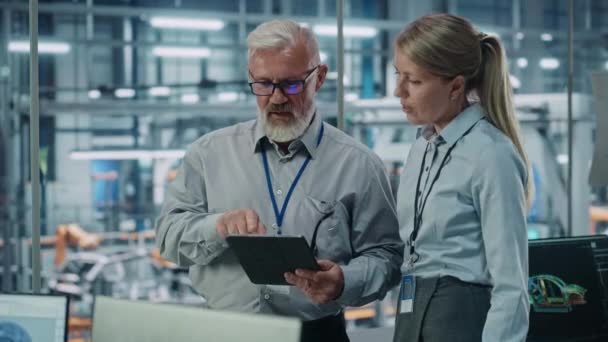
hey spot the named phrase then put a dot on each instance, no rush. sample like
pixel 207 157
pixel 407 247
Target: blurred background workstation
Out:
pixel 125 85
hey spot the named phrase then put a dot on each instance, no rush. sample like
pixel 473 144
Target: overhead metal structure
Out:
pixel 35 147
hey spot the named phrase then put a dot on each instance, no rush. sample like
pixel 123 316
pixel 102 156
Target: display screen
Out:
pixel 564 289
pixel 32 318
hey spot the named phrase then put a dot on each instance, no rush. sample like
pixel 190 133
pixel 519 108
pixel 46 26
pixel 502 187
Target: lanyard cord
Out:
pixel 279 215
pixel 313 240
pixel 418 211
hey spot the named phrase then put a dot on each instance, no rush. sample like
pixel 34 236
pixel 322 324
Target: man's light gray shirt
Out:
pixel 224 171
pixel 474 223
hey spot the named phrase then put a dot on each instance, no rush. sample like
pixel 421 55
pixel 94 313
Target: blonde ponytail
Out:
pixel 493 88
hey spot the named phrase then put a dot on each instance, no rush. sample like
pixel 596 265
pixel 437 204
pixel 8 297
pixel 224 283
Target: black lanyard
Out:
pixel 313 240
pixel 419 210
pixel 279 215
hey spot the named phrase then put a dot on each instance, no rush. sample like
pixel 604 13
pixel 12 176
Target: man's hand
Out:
pixel 320 286
pixel 239 222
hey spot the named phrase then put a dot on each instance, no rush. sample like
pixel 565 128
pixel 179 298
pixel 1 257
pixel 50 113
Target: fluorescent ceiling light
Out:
pixel 180 52
pixel 333 75
pixel 351 97
pixel 159 91
pixel 546 37
pixel 520 35
pixel 488 32
pixel 190 98
pixel 323 56
pixel 124 93
pixel 122 154
pixel 549 63
pixel 522 62
pixel 23 46
pixel 349 31
pixel 187 23
pixel 515 82
pixel 5 71
pixel 94 94
pixel 227 96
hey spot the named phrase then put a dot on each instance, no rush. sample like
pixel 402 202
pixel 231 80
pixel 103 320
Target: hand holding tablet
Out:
pixel 266 259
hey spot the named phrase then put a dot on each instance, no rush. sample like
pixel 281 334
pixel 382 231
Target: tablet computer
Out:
pixel 265 259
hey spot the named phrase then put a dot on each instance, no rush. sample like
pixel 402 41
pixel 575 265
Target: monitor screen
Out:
pixel 135 321
pixel 567 296
pixel 31 318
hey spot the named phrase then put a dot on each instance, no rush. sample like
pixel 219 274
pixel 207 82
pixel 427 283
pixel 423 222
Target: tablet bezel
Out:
pixel 265 259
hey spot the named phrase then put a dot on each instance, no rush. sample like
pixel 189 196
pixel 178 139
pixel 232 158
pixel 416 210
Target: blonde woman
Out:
pixel 463 193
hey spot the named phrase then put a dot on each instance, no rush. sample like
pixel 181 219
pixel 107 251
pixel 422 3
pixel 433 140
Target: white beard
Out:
pixel 289 132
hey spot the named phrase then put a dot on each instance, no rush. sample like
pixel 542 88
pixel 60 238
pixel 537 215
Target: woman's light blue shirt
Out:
pixel 474 222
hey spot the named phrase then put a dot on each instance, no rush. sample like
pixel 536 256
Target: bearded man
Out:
pixel 287 172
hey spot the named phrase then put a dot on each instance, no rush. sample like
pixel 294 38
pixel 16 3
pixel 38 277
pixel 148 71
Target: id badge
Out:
pixel 408 293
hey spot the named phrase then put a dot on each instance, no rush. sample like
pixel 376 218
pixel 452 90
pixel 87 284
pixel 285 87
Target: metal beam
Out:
pixel 516 12
pixel 588 15
pixel 35 146
pixel 321 8
pixel 252 18
pixel 340 55
pixel 144 44
pixel 233 17
pixel 570 121
pixel 6 153
pixel 162 110
pixel 453 7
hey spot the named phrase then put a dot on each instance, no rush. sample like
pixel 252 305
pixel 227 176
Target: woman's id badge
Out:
pixel 408 292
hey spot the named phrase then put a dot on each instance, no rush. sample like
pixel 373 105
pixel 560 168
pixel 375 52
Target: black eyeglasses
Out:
pixel 266 88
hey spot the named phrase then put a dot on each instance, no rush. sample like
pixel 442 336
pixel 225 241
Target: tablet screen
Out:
pixel 265 259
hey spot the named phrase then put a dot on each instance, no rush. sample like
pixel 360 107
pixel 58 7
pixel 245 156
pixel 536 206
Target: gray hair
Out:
pixel 282 34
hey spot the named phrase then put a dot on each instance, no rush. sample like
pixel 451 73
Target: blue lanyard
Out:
pixel 280 215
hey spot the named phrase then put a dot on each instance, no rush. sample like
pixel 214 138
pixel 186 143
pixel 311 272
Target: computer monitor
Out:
pixel 568 287
pixel 136 321
pixel 32 318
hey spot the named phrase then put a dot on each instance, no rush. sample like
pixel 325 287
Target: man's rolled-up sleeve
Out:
pixel 377 247
pixel 185 230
